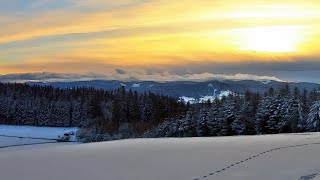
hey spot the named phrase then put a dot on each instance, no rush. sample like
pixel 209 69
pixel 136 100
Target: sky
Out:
pixel 142 38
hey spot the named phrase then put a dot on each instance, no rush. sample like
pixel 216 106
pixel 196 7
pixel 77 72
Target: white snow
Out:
pixel 9 141
pixel 186 99
pixel 206 98
pixel 265 81
pixel 26 144
pixel 212 98
pixel 135 85
pixel 171 159
pixel 215 95
pixel 35 132
pixel 225 93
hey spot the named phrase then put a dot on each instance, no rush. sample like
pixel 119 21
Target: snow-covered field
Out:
pixel 13 138
pixel 34 132
pixel 269 157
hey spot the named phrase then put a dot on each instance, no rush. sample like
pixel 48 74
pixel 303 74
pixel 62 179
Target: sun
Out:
pixel 274 39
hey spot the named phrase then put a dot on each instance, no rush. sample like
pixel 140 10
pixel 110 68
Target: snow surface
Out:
pixel 9 141
pixel 35 132
pixel 136 85
pixel 186 99
pixel 22 144
pixel 276 157
pixel 266 81
pixel 219 96
pixel 20 138
pixel 215 95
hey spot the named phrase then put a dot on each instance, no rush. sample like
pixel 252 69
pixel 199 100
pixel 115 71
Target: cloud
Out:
pixel 155 39
pixel 159 77
pixel 47 77
pixel 294 70
pixel 120 71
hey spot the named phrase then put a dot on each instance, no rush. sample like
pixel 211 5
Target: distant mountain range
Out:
pixel 179 89
pixel 185 90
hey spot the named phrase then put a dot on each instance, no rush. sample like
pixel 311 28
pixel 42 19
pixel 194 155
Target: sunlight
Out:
pixel 276 39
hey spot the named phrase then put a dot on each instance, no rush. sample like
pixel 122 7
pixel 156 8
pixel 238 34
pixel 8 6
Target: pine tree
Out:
pixel 243 123
pixel 263 115
pixel 202 128
pixel 187 128
pixel 313 122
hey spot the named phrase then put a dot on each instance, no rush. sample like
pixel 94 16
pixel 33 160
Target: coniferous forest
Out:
pixel 106 115
pixel 277 111
pixel 99 112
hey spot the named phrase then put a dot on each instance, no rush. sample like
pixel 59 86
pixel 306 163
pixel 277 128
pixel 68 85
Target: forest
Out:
pixel 276 111
pixel 99 112
pixel 107 115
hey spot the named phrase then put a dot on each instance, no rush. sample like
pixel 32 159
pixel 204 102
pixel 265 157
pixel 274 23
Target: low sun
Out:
pixel 275 39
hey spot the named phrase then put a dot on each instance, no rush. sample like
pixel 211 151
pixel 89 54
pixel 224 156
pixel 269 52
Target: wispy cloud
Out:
pixel 80 36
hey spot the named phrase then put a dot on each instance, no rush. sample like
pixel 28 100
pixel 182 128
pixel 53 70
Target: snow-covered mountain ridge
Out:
pixel 193 89
pixel 179 89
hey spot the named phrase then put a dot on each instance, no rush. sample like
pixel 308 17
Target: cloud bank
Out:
pixel 158 77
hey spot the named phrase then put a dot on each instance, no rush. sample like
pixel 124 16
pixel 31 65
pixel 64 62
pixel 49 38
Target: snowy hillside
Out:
pixel 279 157
pixel 202 99
pixel 35 132
pixel 21 138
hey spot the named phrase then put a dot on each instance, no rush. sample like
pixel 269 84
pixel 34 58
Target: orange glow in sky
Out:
pixel 46 35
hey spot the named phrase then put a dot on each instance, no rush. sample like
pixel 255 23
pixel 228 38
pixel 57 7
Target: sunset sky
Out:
pixel 273 37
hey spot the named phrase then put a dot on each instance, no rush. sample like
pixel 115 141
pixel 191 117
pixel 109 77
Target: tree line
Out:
pixel 100 111
pixel 276 111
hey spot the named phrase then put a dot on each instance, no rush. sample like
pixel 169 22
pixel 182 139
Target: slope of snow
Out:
pixel 22 144
pixel 186 99
pixel 215 95
pixel 35 132
pixel 135 85
pixel 212 98
pixel 9 141
pixel 280 157
pixel 266 81
pixel 224 93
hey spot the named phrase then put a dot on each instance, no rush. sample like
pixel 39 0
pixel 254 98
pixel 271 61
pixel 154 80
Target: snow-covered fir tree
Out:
pixel 279 111
pixel 313 121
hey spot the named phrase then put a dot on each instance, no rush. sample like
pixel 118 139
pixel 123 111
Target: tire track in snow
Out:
pixel 37 138
pixel 253 157
pixel 27 144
